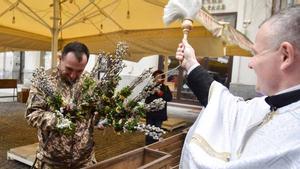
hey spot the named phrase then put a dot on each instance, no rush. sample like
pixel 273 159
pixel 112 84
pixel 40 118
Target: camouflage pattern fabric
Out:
pixel 61 151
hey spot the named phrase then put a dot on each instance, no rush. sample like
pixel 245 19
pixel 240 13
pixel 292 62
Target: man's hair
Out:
pixel 285 27
pixel 77 48
pixel 158 72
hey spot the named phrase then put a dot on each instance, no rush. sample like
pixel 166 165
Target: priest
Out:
pixel 263 132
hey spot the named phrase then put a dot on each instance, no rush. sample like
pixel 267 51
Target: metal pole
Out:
pixel 55 31
pixel 4 66
pixel 42 58
pixel 22 64
pixel 166 67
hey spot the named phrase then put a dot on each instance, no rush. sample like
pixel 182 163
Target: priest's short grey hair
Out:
pixel 285 27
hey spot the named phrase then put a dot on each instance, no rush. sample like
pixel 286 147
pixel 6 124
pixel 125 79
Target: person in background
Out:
pixel 156 118
pixel 57 150
pixel 259 133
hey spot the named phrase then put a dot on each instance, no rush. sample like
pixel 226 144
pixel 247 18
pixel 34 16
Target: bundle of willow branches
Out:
pixel 100 94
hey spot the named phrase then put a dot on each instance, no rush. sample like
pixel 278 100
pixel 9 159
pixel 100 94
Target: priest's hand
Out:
pixel 186 55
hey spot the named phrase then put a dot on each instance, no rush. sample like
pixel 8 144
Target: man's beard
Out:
pixel 65 79
pixel 68 81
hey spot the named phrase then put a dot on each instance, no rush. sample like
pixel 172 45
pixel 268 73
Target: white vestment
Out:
pixel 229 134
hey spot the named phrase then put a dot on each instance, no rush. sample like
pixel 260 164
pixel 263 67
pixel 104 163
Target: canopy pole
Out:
pixel 166 67
pixel 55 31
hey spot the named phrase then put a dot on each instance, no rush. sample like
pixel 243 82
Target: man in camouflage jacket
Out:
pixel 57 150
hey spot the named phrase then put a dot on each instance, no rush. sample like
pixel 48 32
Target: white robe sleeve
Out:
pixel 217 135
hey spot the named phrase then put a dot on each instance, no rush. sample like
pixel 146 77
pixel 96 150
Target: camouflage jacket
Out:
pixel 55 148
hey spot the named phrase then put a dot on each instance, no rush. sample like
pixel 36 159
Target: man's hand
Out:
pixel 186 55
pixel 100 126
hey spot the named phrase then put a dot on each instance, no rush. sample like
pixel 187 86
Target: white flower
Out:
pixel 59 114
pixel 102 122
pixel 141 103
pixel 152 131
pixel 63 123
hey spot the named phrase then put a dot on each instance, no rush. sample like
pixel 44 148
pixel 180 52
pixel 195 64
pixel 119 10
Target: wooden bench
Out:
pixel 141 158
pixel 9 84
pixel 171 124
pixel 164 154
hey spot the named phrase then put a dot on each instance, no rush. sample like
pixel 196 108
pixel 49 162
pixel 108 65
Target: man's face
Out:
pixel 160 79
pixel 70 68
pixel 265 62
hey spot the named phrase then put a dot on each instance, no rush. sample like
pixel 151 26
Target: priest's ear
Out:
pixel 287 55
